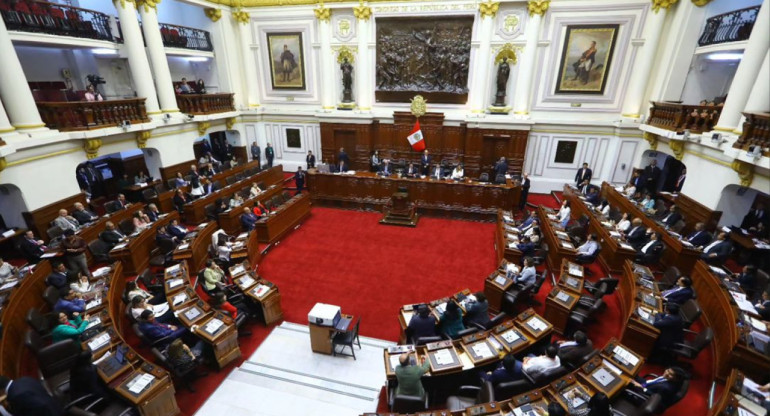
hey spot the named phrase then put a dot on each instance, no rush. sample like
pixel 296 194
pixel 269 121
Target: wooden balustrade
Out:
pixel 201 104
pixel 680 117
pixel 756 132
pixel 732 26
pixel 89 115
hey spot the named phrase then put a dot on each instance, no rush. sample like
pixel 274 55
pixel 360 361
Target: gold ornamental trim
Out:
pixel 538 7
pixel 148 4
pixel 91 147
pixel 322 13
pixel 488 9
pixel 745 172
pixel 213 14
pixel 202 127
pixel 362 12
pixel 652 139
pixel 241 17
pixel 662 4
pixel 507 51
pixel 142 137
pixel 3 164
pixel 123 3
pixel 229 123
pixel 701 3
pixel 345 53
pixel 677 146
pixel 419 106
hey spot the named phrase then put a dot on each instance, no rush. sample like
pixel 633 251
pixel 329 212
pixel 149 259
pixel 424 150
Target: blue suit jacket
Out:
pixel 27 396
pixel 680 296
pixel 248 221
pixel 699 238
pixel 527 222
pixel 153 216
pixel 67 306
pixel 177 232
pixel 422 327
pixel 57 280
pixel 526 249
pixel 155 331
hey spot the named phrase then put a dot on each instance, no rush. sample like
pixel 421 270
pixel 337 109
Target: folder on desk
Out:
pixel 342 324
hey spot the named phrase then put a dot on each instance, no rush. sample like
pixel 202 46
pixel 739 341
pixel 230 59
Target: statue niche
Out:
pixel 427 56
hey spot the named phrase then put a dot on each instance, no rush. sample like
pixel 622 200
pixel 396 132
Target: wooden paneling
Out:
pixel 693 212
pixel 40 219
pixel 169 172
pixel 282 221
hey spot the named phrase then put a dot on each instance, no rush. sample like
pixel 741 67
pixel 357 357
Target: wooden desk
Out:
pixel 263 292
pixel 196 250
pixel 676 253
pixel 534 326
pixel 495 286
pixel 558 306
pixel 535 399
pixel 134 192
pixel 562 389
pixel 595 370
pixel 369 192
pixel 321 336
pixel 692 212
pixel 283 219
pixel 479 349
pixel 558 248
pixel 445 349
pixel 502 243
pixel 511 338
pixel 622 357
pixel 614 252
pixel 135 255
pixel 638 334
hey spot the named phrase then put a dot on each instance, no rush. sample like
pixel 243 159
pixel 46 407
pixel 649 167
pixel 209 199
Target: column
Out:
pixel 5 124
pixel 759 99
pixel 487 11
pixel 523 91
pixel 249 64
pixel 137 58
pixel 160 71
pixel 640 74
pixel 14 90
pixel 229 67
pixel 363 87
pixel 328 84
pixel 748 71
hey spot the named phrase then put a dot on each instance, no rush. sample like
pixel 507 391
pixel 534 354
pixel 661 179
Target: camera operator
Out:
pixel 92 94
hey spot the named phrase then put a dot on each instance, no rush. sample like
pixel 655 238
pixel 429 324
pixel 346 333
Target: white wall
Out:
pixel 275 133
pixel 708 79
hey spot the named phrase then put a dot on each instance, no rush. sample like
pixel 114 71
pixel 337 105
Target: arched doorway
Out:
pixel 12 205
pixel 671 170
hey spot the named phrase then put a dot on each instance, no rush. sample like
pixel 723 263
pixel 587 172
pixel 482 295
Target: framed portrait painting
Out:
pixel 586 58
pixel 287 61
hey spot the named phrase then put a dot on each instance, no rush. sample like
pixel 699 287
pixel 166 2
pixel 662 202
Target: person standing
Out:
pixel 524 191
pixel 310 159
pixel 583 174
pixel 75 252
pixel 343 157
pixel 299 179
pixel 269 155
pixel 256 152
pixel 425 162
pixel 680 181
pixel 652 176
pixel 501 167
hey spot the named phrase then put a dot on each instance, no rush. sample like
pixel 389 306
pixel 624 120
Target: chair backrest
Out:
pixel 408 404
pixel 58 357
pixel 538 284
pixel 670 276
pixel 209 210
pixel 610 284
pixel 426 340
pixel 262 185
pixel 128 313
pixel 230 180
pixel 99 250
pixel 51 295
pixel 486 394
pixel 496 320
pixel 140 334
pixel 703 339
pixel 690 312
pixel 42 324
pixel 54 232
pixel 677 228
pixel 171 183
pixel 484 177
pixel 111 206
pixel 33 341
pixel 500 178
pixel 465 332
pixel 166 245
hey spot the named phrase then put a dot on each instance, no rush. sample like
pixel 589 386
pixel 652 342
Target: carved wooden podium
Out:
pixel 400 210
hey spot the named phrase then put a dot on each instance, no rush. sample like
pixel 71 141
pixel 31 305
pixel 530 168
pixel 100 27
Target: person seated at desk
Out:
pixel 209 170
pixel 536 365
pixel 477 312
pixel 31 247
pixel 133 290
pixel 163 234
pixel 111 235
pixel 637 235
pixel 451 321
pixel 458 173
pixel 152 212
pixel 220 235
pixel 254 190
pixel 671 330
pixel 649 253
pixel 375 162
pixel 220 303
pixel 524 225
pixel 574 350
pixel 716 252
pixel 80 283
pixel 177 230
pixel 755 216
pixel 535 235
pixel 139 304
pixel 603 208
pixel 629 190
pixel 213 277
pixel 411 171
pixel 69 328
pixel 667 385
pixel 183 88
pixel 672 217
pixel 183 358
pixel 624 224
pixel 66 221
pixel 121 202
pixel 208 158
pixel 647 204
pixel 593 197
pixel 179 181
pixel 587 249
pixel 763 306
pixel 509 369
pixel 28 396
pixel 385 169
pixel 82 215
pixel 260 210
pixel 140 221
pixel 236 200
pixel 209 187
pixel 248 219
pixel 409 376
pixel 124 182
pixel 760 231
pixel 223 252
pixel 343 166
pixel 142 178
pixel 181 199
pixel 422 324
pixel 155 330
pixel 563 216
pixel 680 293
pixel 437 172
pixel 220 206
pixel 528 274
pixel 598 405
pixel 58 276
pixel 6 270
pixel 69 301
pixel 699 237
pixel 526 246
pixel 747 278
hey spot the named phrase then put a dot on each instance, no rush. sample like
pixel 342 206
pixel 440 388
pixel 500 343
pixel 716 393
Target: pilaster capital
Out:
pixel 91 147
pixel 213 14
pixel 142 137
pixel 3 164
pixel 362 12
pixel 241 17
pixel 148 4
pixel 229 123
pixel 123 3
pixel 662 4
pixel 745 172
pixel 322 13
pixel 701 3
pixel 677 146
pixel 488 9
pixel 202 127
pixel 652 139
pixel 538 7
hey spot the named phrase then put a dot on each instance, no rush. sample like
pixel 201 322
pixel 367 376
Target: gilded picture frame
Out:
pixel 287 61
pixel 586 59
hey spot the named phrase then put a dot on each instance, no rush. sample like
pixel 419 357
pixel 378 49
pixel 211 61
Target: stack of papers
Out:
pixel 537 324
pixel 213 326
pixel 563 296
pixel 94 303
pixel 160 309
pixel 119 246
pixel 511 336
pixel 192 313
pixel 93 322
pixel 626 355
pixel 99 342
pixel 260 290
pixel 482 350
pixel 180 298
pixel 9 285
pixel 394 361
pixel 246 281
pixel 603 377
pixel 101 271
pixel 174 283
pixel 173 269
pixel 139 383
pixel 500 280
pixel 237 270
pixel 443 357
pixel 183 246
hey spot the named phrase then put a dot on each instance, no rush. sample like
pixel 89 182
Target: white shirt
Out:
pixel 223 252
pixel 630 191
pixel 6 270
pixel 710 246
pixel 606 210
pixel 623 225
pixel 540 364
pixel 564 213
pixel 457 173
pixel 647 246
pixel 588 248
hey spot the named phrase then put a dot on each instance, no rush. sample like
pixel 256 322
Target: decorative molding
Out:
pixel 652 139
pixel 745 172
pixel 344 52
pixel 229 123
pixel 510 25
pixel 91 147
pixel 123 3
pixel 202 127
pixel 213 14
pixel 362 12
pixel 677 146
pixel 419 106
pixel 538 7
pixel 701 3
pixel 488 9
pixel 662 4
pixel 3 164
pixel 344 29
pixel 142 137
pixel 148 4
pixel 507 51
pixel 241 17
pixel 322 13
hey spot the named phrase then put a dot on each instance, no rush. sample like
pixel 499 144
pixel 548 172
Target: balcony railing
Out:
pixel 89 115
pixel 756 132
pixel 680 117
pixel 58 19
pixel 201 104
pixel 729 27
pixel 185 37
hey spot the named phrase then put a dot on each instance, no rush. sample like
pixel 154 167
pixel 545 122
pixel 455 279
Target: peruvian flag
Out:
pixel 415 138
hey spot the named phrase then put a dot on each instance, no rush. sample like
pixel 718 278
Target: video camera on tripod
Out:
pixel 95 80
